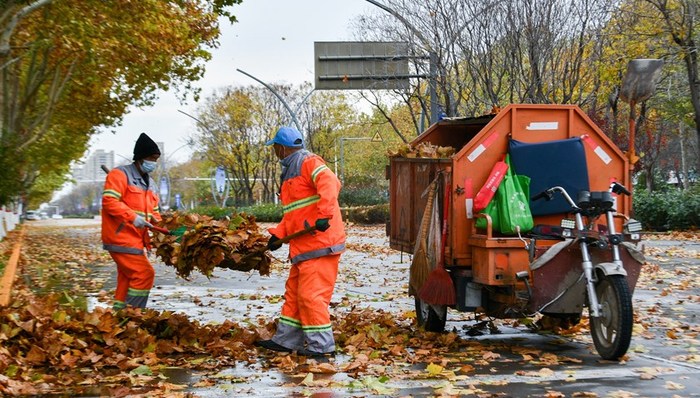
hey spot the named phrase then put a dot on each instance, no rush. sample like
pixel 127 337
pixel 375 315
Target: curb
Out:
pixel 10 271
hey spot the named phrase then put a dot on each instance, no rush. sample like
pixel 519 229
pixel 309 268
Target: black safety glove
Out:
pixel 274 243
pixel 322 224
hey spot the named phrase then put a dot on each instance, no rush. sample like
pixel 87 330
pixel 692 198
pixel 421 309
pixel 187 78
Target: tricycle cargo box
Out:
pixel 551 144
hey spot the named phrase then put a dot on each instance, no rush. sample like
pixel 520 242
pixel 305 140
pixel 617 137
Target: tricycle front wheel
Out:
pixel 430 317
pixel 612 330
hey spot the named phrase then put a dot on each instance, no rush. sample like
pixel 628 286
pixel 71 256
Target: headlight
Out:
pixel 568 224
pixel 632 226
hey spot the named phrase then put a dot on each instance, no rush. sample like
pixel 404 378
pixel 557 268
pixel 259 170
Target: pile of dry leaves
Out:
pixel 46 344
pixel 203 243
pixel 423 150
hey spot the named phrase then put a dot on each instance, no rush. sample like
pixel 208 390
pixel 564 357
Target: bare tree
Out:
pixel 490 53
pixel 680 19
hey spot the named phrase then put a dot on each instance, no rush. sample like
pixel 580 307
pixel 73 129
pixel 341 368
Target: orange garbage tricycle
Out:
pixel 580 251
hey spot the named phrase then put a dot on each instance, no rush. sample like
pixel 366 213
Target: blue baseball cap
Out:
pixel 287 136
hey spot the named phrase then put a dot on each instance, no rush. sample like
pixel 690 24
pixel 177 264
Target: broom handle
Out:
pixel 445 214
pixel 425 221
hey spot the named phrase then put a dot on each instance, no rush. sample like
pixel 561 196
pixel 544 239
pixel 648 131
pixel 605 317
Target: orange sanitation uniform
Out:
pixel 127 194
pixel 309 192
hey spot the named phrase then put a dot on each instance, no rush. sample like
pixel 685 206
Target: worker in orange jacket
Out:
pixel 129 203
pixel 309 193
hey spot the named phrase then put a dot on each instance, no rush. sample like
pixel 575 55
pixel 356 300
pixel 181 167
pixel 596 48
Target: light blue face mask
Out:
pixel 147 166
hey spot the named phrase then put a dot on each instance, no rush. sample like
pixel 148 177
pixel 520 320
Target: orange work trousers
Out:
pixel 135 276
pixel 305 319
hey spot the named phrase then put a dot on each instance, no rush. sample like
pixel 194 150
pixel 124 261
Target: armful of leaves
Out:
pixel 236 243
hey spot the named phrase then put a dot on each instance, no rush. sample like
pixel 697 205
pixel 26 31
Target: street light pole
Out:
pixel 201 123
pixel 279 97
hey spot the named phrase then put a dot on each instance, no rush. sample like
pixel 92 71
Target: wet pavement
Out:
pixel 663 359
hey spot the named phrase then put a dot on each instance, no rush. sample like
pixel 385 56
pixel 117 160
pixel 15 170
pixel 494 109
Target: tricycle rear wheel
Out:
pixel 430 317
pixel 612 330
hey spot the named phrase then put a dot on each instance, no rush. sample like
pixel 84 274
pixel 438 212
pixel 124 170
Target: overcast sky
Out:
pixel 273 40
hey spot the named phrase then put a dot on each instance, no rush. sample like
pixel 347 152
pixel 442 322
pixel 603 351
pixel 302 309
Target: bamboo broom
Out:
pixel 438 288
pixel 420 266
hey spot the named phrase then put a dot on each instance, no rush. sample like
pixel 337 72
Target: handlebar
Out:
pixel 548 194
pixel 618 188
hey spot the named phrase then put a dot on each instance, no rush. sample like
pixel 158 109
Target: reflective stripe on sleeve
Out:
pixel 317 171
pixel 301 203
pixel 111 193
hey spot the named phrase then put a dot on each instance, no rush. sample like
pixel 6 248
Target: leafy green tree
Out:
pixel 184 181
pixel 69 67
pixel 238 121
pixel 636 30
pixel 233 139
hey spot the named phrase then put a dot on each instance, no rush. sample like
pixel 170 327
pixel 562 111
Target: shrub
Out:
pixel 213 211
pixel 268 212
pixel 363 191
pixel 362 196
pixel 665 210
pixel 376 214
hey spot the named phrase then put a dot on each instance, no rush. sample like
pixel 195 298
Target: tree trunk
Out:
pixel 684 167
pixel 691 63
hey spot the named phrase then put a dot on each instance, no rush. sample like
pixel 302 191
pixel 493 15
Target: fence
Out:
pixel 8 221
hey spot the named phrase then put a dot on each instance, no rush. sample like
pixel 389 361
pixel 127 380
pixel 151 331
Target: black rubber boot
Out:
pixel 271 345
pixel 314 354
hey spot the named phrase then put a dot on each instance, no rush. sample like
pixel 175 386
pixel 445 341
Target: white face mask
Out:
pixel 147 166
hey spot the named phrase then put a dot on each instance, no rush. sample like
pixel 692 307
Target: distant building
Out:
pixel 91 169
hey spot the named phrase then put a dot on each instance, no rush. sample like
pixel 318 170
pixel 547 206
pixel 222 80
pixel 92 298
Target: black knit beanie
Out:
pixel 145 147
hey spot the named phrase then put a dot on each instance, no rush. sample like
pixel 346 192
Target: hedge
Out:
pixel 376 214
pixel 673 209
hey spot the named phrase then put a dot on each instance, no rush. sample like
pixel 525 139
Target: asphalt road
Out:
pixel 663 360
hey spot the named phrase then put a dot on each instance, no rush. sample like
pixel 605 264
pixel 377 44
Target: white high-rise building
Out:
pixel 91 170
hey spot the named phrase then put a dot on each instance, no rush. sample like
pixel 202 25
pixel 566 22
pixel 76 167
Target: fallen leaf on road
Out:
pixel 554 394
pixel 434 370
pixel 323 368
pixel 621 394
pixel 674 386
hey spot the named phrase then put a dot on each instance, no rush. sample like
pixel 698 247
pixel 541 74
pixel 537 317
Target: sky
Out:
pixel 273 40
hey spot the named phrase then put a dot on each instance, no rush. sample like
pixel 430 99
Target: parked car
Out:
pixel 32 215
pixel 57 216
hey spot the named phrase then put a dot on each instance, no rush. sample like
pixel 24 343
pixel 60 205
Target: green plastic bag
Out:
pixel 492 210
pixel 513 202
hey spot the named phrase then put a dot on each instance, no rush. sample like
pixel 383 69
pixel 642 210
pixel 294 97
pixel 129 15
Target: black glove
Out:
pixel 322 224
pixel 274 243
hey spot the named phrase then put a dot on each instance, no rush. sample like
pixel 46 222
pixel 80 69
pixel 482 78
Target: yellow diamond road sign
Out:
pixel 377 137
